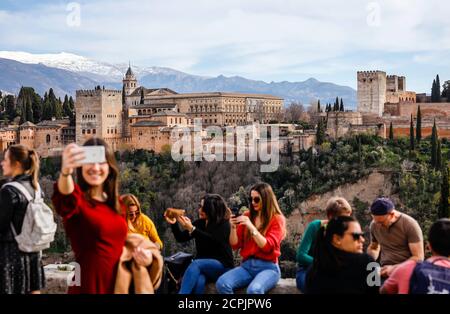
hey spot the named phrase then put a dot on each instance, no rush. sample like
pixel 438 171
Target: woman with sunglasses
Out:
pixel 258 234
pixel 211 232
pixel 336 206
pixel 339 265
pixel 138 222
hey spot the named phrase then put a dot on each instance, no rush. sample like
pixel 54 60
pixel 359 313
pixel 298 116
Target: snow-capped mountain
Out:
pixel 94 69
pixel 67 72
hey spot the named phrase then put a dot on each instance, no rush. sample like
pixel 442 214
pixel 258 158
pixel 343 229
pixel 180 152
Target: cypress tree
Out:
pixel 438 89
pixel 341 107
pixel 391 132
pixel 320 133
pixel 438 155
pixel 318 106
pixel 411 135
pixel 419 125
pixel 434 139
pixel 433 91
pixel 443 204
pixel 29 112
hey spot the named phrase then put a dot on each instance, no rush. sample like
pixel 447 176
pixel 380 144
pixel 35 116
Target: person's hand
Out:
pixel 387 270
pixel 142 257
pixel 185 223
pixel 170 220
pixel 244 220
pixel 71 157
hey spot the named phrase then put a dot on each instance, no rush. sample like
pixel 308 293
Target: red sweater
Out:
pixel 97 234
pixel 274 236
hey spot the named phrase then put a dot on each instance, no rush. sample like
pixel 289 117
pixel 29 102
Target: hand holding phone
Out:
pixel 236 211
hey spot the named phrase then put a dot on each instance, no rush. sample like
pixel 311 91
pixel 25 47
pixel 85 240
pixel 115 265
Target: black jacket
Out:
pixel 211 241
pixel 13 205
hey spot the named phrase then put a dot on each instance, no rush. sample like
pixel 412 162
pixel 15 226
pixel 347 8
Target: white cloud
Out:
pixel 253 38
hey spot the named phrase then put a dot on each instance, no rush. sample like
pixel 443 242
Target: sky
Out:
pixel 277 40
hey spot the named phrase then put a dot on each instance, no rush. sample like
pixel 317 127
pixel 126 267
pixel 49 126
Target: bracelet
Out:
pixel 65 175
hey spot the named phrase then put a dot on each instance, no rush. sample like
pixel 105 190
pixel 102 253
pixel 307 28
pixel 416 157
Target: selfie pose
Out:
pixel 20 272
pixel 92 214
pixel 258 234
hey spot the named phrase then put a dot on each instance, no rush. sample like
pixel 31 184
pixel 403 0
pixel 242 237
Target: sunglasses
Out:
pixel 255 200
pixel 133 214
pixel 357 235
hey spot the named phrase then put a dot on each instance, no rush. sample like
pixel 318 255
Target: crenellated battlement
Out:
pixel 370 74
pixel 97 92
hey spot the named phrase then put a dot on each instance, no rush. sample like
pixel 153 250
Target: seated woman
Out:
pixel 211 232
pixel 258 234
pixel 336 206
pixel 138 222
pixel 339 265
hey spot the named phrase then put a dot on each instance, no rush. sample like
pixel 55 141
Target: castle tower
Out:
pixel 129 82
pixel 371 92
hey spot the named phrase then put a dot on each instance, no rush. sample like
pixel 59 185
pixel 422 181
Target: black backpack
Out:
pixel 174 268
pixel 428 278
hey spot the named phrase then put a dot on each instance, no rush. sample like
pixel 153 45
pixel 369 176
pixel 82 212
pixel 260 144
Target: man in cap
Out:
pixel 397 235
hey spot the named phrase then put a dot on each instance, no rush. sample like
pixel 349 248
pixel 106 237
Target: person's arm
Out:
pixel 153 233
pixel 304 248
pixel 234 236
pixel 374 247
pixel 259 239
pixel 71 157
pixel 9 200
pixel 180 236
pixel 274 234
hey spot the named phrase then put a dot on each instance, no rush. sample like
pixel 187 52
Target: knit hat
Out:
pixel 381 206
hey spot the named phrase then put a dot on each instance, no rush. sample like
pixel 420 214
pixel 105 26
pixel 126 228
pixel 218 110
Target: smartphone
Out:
pixel 236 211
pixel 94 154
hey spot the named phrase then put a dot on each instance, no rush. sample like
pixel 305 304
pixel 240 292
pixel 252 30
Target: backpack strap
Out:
pixel 25 193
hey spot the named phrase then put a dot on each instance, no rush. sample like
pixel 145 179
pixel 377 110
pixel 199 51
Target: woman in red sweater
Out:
pixel 258 234
pixel 93 217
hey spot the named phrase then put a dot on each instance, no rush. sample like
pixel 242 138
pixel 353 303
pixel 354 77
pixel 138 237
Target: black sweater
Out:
pixel 350 278
pixel 211 241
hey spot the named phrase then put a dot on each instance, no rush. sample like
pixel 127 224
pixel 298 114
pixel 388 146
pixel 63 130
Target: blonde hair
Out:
pixel 131 200
pixel 28 160
pixel 337 206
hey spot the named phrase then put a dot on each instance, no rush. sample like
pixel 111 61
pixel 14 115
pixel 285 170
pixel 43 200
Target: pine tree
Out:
pixel 411 135
pixel 341 107
pixel 318 106
pixel 419 125
pixel 391 132
pixel 443 204
pixel 434 140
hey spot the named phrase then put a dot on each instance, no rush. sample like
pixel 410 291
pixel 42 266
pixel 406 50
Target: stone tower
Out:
pixel 371 92
pixel 129 82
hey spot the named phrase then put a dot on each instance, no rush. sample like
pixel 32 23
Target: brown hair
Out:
pixel 28 160
pixel 111 184
pixel 130 200
pixel 337 206
pixel 269 208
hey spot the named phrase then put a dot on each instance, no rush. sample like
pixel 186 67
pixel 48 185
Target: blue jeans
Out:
pixel 301 278
pixel 198 272
pixel 260 277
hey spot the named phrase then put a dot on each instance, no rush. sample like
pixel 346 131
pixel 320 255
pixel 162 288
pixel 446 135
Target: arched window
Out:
pixel 48 138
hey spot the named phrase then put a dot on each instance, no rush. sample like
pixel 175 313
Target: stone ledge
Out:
pixel 284 286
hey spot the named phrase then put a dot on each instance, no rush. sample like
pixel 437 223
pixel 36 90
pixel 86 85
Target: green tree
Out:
pixel 320 132
pixel 318 106
pixel 436 90
pixel 438 155
pixel 411 135
pixel 419 125
pixel 443 204
pixel 391 132
pixel 434 142
pixel 341 107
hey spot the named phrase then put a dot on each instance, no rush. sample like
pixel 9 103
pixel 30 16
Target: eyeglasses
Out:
pixel 132 214
pixel 357 235
pixel 255 200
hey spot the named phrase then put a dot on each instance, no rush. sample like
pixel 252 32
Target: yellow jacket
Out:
pixel 145 226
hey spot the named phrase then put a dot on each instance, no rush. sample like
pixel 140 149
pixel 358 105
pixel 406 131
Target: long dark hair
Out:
pixel 325 258
pixel 111 184
pixel 29 161
pixel 215 209
pixel 269 208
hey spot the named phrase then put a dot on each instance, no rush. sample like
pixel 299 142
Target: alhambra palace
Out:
pixel 141 118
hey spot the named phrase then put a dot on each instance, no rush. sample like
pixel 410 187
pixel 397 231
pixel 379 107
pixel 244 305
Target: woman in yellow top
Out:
pixel 138 222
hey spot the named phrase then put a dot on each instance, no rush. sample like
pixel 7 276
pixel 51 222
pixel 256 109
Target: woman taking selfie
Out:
pixel 20 272
pixel 258 234
pixel 92 214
